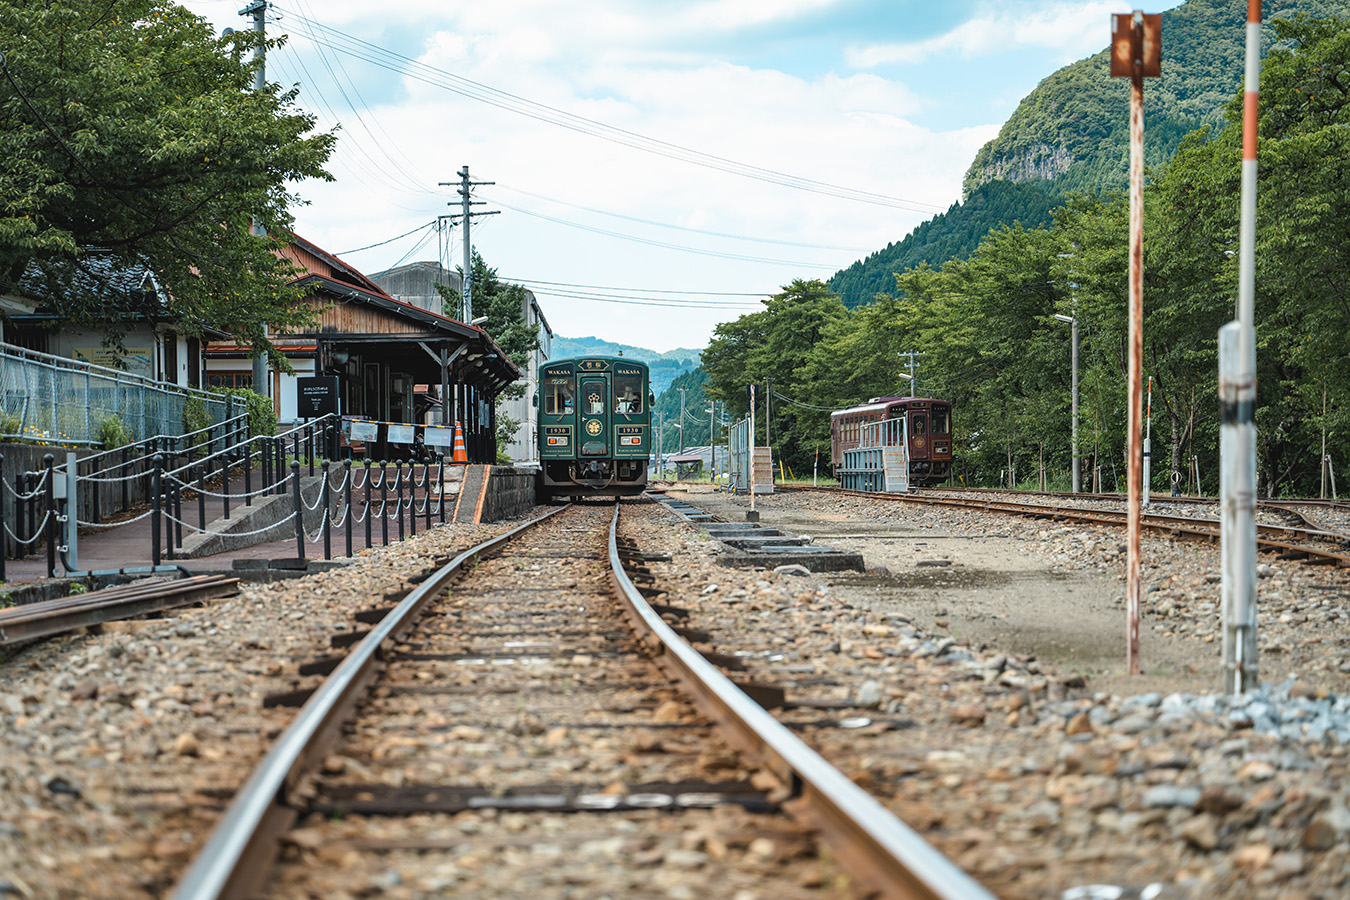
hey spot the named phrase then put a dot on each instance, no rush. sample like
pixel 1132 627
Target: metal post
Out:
pixel 327 521
pixel 384 501
pixel 299 509
pixel 225 482
pixel 155 524
pixel 752 448
pixel 49 461
pixel 1077 463
pixel 369 473
pixel 268 454
pixel 1237 519
pixel 426 480
pixel 398 494
pixel 1148 439
pixel 279 446
pixel 440 485
pixel 310 445
pixel 347 499
pixel 172 510
pixel 22 529
pixel 126 482
pixel 201 496
pixel 248 475
pixel 412 497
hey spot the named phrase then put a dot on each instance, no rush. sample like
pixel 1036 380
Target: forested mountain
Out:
pixel 1072 130
pixel 950 235
pixel 1071 134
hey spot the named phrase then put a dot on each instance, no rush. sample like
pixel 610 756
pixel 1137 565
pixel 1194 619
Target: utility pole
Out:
pixel 1136 53
pixel 258 9
pixel 712 438
pixel 682 421
pixel 913 371
pixel 768 411
pixel 466 214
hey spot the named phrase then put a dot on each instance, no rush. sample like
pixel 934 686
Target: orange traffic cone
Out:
pixel 461 454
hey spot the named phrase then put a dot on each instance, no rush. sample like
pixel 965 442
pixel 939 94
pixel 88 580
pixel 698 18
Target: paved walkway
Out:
pixel 129 545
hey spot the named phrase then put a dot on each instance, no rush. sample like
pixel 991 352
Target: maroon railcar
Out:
pixel 927 430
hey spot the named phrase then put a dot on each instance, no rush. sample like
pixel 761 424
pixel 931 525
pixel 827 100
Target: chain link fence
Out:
pixel 49 400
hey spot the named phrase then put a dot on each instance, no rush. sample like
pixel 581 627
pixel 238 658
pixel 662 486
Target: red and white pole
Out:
pixel 1237 406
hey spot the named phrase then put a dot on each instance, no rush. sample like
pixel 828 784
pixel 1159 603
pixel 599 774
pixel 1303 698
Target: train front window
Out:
pixel 628 394
pixel 558 393
pixel 593 403
pixel 942 421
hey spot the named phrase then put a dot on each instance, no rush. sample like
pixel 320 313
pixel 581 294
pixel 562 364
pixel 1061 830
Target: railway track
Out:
pixel 1308 544
pixel 501 731
pixel 48 617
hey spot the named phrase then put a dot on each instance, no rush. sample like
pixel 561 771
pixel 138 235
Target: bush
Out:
pixel 9 427
pixel 112 433
pixel 262 419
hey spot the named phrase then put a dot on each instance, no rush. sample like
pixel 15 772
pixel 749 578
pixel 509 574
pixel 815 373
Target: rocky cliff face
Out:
pixel 1037 162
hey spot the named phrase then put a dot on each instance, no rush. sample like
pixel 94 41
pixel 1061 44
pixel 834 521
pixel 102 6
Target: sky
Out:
pixel 656 167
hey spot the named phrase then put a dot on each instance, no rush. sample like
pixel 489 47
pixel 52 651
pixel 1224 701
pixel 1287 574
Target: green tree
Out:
pixel 130 127
pixel 771 349
pixel 504 306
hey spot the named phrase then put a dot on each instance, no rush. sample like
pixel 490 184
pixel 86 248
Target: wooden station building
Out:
pixel 394 362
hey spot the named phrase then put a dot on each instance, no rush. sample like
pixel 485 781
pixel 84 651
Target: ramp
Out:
pixel 472 494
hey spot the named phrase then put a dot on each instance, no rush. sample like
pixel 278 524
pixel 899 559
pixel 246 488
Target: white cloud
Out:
pixel 644 67
pixel 1072 30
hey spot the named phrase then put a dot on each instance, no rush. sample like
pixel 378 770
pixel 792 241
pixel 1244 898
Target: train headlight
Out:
pixel 557 442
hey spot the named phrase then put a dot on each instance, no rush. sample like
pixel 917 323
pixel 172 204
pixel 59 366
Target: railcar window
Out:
pixel 594 403
pixel 919 424
pixel 942 421
pixel 628 394
pixel 558 393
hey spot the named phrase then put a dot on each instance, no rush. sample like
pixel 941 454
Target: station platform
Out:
pixel 490 493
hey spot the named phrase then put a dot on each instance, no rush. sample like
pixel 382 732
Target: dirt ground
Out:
pixel 948 575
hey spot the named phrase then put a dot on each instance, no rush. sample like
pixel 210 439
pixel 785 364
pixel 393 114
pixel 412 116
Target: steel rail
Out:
pixel 48 617
pixel 1183 525
pixel 877 848
pixel 234 862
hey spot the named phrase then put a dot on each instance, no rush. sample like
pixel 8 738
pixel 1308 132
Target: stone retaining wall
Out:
pixel 510 492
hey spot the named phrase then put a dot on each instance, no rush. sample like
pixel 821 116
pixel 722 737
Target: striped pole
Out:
pixel 1237 406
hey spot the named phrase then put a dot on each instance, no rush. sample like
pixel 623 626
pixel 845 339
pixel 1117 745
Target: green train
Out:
pixel 595 437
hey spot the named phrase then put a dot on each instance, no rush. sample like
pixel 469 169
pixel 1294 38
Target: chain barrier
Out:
pixel 228 534
pixel 37 532
pixel 83 524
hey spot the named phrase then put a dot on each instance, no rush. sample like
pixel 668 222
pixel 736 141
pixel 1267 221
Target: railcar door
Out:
pixel 918 433
pixel 594 417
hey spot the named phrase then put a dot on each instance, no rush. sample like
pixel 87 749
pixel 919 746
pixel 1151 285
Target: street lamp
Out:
pixel 910 379
pixel 1073 324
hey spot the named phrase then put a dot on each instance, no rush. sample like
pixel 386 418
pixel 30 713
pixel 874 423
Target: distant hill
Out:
pixel 665 367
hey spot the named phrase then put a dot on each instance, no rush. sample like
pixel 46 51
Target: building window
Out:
pixel 229 380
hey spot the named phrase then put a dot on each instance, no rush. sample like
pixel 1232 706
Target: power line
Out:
pixel 735 237
pixel 651 243
pixel 389 241
pixel 526 281
pixel 342 42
